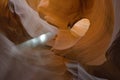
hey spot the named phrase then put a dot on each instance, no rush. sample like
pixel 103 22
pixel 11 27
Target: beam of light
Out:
pixel 41 40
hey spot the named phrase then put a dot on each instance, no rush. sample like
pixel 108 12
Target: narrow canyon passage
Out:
pixel 59 40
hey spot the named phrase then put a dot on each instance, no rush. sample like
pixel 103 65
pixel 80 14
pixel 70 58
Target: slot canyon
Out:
pixel 59 40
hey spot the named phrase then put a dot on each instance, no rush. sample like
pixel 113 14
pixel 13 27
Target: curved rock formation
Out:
pixel 91 48
pixel 10 24
pixel 61 16
pixel 64 15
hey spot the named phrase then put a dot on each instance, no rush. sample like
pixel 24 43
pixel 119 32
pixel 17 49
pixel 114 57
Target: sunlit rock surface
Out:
pixel 91 48
pixel 55 59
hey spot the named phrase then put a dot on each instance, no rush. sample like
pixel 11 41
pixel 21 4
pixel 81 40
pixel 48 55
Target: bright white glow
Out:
pixel 34 41
pixel 43 38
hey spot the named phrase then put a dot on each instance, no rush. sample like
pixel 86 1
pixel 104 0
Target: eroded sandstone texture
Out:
pixel 91 48
pixel 59 59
